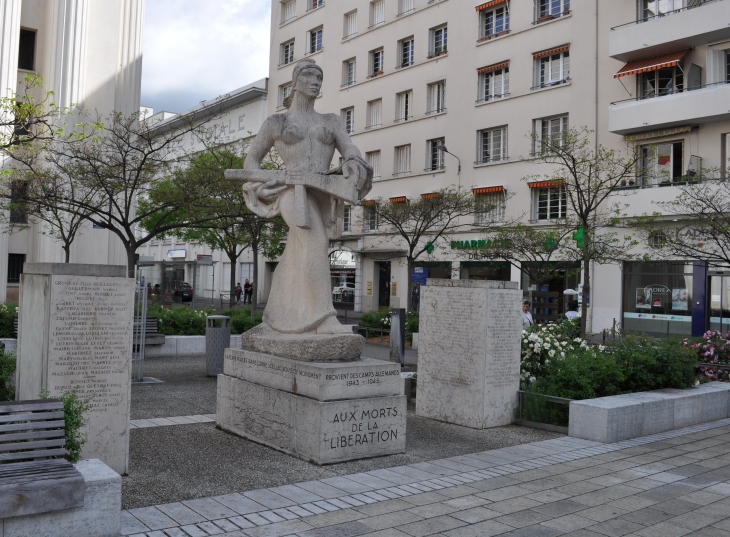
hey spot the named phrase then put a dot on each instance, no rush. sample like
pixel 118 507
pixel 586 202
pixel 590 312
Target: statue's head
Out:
pixel 306 79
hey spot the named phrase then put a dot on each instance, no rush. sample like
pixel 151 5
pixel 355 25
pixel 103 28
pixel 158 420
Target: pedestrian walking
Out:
pixel 526 315
pixel 247 292
pixel 239 292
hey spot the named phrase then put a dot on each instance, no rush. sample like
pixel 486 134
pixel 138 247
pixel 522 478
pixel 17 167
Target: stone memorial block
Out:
pixel 469 352
pixel 75 331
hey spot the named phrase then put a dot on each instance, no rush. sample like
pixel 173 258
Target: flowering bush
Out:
pixel 7 313
pixel 180 321
pixel 375 319
pixel 713 348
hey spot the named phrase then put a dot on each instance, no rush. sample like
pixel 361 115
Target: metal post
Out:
pixel 195 285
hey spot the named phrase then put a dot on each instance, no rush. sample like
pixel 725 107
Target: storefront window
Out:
pixel 440 270
pixel 658 298
pixel 342 276
pixel 485 270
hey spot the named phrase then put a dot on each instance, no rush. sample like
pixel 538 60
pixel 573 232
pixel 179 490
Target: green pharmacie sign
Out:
pixel 470 245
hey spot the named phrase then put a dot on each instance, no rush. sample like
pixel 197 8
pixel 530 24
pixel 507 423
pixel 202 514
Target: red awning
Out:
pixel 399 199
pixel 652 64
pixel 490 4
pixel 494 67
pixel 551 51
pixel 488 190
pixel 545 184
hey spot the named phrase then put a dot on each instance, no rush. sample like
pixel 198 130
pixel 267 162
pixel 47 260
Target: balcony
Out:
pixel 705 22
pixel 690 107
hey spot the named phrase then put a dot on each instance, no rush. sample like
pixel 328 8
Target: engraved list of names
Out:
pixel 89 348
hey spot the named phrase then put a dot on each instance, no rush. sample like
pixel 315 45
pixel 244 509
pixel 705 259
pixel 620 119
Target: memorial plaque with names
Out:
pixel 89 348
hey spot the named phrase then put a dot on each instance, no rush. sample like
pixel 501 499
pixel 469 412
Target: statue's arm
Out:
pixel 261 145
pixel 354 165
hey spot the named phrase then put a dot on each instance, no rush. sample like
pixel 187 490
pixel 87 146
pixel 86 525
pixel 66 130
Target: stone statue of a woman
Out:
pixel 299 320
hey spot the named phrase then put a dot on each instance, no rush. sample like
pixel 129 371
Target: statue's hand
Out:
pixel 269 190
pixel 356 170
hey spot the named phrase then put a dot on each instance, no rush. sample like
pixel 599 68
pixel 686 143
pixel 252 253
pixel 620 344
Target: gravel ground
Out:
pixel 182 462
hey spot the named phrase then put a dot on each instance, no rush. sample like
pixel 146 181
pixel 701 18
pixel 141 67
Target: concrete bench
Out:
pixel 622 417
pixel 43 495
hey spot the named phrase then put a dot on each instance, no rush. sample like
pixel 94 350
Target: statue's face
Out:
pixel 309 82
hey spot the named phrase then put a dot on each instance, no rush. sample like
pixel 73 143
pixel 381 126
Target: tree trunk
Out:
pixel 586 296
pixel 254 297
pixel 232 257
pixel 131 261
pixel 409 291
pixel 67 253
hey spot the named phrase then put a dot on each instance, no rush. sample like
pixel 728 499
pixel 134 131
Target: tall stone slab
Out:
pixel 469 352
pixel 75 331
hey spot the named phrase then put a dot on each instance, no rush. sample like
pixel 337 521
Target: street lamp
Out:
pixel 442 147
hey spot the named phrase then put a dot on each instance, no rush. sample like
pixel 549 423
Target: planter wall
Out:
pixel 622 417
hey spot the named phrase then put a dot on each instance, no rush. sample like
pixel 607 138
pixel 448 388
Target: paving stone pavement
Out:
pixel 664 485
pixel 175 420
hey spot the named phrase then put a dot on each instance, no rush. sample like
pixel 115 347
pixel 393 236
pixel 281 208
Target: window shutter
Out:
pixel 694 77
pixel 289 10
pixel 351 24
pixel 375 112
pixel 379 12
pixel 716 67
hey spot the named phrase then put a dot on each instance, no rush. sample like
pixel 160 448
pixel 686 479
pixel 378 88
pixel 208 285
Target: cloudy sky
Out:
pixel 196 50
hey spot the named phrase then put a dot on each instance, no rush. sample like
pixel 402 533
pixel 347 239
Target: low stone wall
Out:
pixel 101 515
pixel 622 417
pixel 184 345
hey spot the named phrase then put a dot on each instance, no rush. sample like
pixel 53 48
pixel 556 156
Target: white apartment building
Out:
pixel 480 78
pixel 238 116
pixel 90 54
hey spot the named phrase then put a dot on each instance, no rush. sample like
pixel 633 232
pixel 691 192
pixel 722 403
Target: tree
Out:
pixel 423 225
pixel 703 206
pixel 25 119
pixel 587 177
pixel 134 171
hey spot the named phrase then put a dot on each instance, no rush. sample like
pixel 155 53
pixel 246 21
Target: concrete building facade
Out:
pixel 89 54
pixel 481 78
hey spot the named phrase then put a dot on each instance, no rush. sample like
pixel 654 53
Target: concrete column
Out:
pixel 129 70
pixel 69 51
pixel 9 42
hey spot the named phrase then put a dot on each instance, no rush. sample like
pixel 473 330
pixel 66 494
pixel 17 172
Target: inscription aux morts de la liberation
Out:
pixel 363 427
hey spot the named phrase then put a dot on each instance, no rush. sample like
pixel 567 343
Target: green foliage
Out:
pixel 241 319
pixel 7 376
pixel 7 312
pixel 179 321
pixel 375 319
pixel 412 321
pixel 73 416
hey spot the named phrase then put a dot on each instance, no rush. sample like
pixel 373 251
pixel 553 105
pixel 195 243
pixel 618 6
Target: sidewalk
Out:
pixel 663 485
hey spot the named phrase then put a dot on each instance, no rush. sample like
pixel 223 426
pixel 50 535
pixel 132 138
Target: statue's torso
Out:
pixel 305 142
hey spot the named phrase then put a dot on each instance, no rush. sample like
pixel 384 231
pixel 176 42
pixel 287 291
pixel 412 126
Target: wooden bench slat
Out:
pixel 33 467
pixel 17 456
pixel 38 416
pixel 38 434
pixel 31 447
pixel 30 406
pixel 25 426
pixel 34 476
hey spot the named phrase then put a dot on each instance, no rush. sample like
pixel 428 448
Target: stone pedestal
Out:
pixel 75 331
pixel 469 352
pixel 320 412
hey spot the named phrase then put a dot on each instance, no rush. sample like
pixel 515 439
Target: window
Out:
pixel 348 119
pixel 493 22
pixel 549 202
pixel 494 82
pixel 404 101
pixel 288 11
pixel 284 92
pixel 375 113
pixel 489 205
pixel 656 8
pixel 550 9
pixel 15 267
pixel 347 219
pixel 373 158
pixel 376 62
pixel 405 7
pixel 18 212
pixel 406 53
pixel 370 217
pixel 402 160
pixel 287 53
pixel 377 13
pixel 552 69
pixel 348 72
pixel 435 155
pixel 350 25
pixel 26 50
pixel 492 145
pixel 439 38
pixel 661 163
pixel 436 98
pixel 550 132
pixel 314 4
pixel 315 41
pixel 660 82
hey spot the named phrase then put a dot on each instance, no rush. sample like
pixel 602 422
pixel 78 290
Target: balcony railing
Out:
pixel 672 91
pixel 311 6
pixel 546 18
pixel 400 119
pixel 436 168
pixel 492 98
pixel 438 51
pixel 691 4
pixel 439 110
pixel 320 49
pixel 375 74
pixel 287 62
pixel 348 36
pixel 551 84
pixel 407 12
pixel 282 23
pixel 399 174
pixel 489 160
pixel 348 83
pixel 487 37
pixel 404 64
pixel 376 24
pixel 375 126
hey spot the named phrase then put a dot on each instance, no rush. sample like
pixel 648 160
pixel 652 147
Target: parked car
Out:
pixel 185 291
pixel 344 292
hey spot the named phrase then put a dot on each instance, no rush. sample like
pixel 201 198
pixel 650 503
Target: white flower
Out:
pixel 551 353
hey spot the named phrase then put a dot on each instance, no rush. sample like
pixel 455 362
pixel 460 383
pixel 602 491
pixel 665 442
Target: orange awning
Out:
pixel 545 184
pixel 490 4
pixel 430 196
pixel 652 64
pixel 551 51
pixel 399 199
pixel 494 67
pixel 488 190
pixel 367 202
